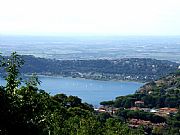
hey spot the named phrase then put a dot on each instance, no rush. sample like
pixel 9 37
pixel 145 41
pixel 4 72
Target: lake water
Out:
pixel 90 91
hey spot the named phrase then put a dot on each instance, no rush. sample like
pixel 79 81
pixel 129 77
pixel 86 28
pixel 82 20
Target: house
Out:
pixel 101 109
pixel 168 111
pixel 139 103
pixel 164 112
pixel 145 109
pixel 134 108
pixel 154 110
pixel 107 109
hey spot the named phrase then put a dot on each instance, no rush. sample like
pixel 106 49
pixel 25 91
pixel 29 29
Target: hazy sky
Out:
pixel 106 17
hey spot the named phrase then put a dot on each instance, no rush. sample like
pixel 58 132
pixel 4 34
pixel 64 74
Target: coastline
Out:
pixel 83 78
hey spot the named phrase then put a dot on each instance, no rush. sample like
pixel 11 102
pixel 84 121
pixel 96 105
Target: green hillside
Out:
pixel 134 69
pixel 25 109
pixel 155 102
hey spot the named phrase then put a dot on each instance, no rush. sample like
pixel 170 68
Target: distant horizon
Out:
pixel 93 47
pixel 90 17
pixel 86 35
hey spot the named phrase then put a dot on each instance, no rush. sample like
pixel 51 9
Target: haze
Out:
pixel 91 17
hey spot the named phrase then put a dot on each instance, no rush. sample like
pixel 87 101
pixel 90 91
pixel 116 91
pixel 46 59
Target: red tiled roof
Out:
pixel 166 109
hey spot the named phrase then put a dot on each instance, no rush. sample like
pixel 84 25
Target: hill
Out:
pixel 135 69
pixel 155 106
pixel 163 85
pixel 164 92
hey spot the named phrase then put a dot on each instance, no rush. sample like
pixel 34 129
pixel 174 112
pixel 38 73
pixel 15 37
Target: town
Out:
pixel 139 106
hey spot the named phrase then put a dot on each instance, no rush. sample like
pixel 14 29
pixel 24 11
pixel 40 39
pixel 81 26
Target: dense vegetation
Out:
pixel 31 111
pixel 164 92
pixel 138 69
pixel 27 110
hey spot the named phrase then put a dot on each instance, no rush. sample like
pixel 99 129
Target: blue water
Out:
pixel 90 91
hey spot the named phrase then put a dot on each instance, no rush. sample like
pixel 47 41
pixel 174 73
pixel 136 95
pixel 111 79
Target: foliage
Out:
pixel 164 92
pixel 154 94
pixel 139 69
pixel 31 111
pixel 140 115
pixel 107 103
pixel 114 127
pixel 25 109
pixel 12 66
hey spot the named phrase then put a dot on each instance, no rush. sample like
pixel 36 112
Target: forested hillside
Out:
pixel 137 69
pixel 155 102
pixel 164 92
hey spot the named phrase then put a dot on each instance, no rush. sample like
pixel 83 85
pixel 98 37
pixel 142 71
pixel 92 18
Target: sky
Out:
pixel 93 17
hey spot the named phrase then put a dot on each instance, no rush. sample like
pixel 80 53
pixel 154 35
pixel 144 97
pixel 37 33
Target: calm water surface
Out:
pixel 90 91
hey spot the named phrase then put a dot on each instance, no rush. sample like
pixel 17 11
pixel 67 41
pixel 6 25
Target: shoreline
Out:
pixel 82 78
pixel 94 103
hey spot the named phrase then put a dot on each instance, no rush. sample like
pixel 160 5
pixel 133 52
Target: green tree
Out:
pixel 12 66
pixel 114 127
pixel 73 101
pixel 61 98
pixel 107 103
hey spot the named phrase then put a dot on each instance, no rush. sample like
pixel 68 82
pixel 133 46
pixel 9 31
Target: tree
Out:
pixel 115 127
pixel 73 101
pixel 61 99
pixel 12 66
pixel 107 103
pixel 102 117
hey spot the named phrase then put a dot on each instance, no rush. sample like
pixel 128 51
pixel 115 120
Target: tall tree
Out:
pixel 12 66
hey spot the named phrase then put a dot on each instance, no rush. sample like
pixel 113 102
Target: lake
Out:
pixel 90 91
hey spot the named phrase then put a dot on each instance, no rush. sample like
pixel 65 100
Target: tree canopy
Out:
pixel 25 109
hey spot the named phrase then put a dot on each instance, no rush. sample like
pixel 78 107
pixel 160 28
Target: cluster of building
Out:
pixel 107 109
pixel 164 112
